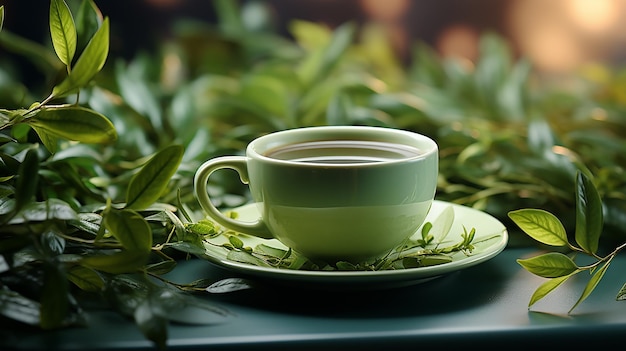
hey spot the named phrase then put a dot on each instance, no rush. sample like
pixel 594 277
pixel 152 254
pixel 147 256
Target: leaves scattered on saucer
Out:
pixel 433 247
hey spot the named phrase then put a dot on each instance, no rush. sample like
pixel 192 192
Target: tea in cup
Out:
pixel 332 192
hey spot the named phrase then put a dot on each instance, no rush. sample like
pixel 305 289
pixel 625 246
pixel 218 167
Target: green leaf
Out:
pixel 540 225
pixel 136 92
pixel 442 224
pixel 545 288
pixel 130 229
pixel 235 241
pixel 148 184
pixel 63 31
pixel 589 219
pixel 320 63
pixel 549 265
pixel 229 285
pixel 1 16
pixel 88 64
pixel 27 179
pixel 19 308
pixel 245 257
pixel 621 295
pixel 591 285
pixel 74 123
pixel 117 263
pixel 54 297
pixel 88 20
pixel 86 279
pixel 161 267
pixel 49 140
pixel 41 211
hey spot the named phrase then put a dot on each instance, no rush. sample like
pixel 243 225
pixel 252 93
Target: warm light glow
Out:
pixel 562 35
pixel 544 35
pixel 595 16
pixel 553 48
pixel 458 41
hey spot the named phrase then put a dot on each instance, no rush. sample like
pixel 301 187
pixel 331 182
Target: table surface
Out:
pixel 481 306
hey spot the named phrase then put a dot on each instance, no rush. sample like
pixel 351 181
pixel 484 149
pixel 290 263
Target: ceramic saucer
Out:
pixel 491 238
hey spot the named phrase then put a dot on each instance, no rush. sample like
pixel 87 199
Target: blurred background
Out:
pixel 558 36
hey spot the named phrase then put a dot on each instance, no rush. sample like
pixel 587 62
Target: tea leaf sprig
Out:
pixel 557 266
pixel 431 248
pixel 78 222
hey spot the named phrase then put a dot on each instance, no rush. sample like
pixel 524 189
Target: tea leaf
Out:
pixel 201 228
pixel 442 224
pixel 229 285
pixel 621 295
pixel 117 263
pixel 545 288
pixel 246 257
pixel 88 64
pixel 85 278
pixel 1 16
pixel 162 267
pixel 129 228
pixel 271 251
pixel 88 20
pixel 48 140
pixel 27 179
pixel 19 308
pixel 549 265
pixel 136 93
pixel 46 210
pixel 320 63
pixel 236 242
pixel 74 123
pixel 147 185
pixel 540 225
pixel 591 285
pixel 425 233
pixel 589 219
pixel 63 31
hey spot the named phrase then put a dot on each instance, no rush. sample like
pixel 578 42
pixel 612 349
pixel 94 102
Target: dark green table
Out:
pixel 481 306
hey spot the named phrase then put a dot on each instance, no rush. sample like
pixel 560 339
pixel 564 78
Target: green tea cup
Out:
pixel 332 192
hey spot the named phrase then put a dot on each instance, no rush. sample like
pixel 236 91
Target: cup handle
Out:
pixel 237 163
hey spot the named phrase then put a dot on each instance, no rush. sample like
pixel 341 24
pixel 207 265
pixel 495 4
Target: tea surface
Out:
pixel 343 152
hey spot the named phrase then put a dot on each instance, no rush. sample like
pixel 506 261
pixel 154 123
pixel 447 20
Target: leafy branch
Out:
pixel 547 229
pixel 66 230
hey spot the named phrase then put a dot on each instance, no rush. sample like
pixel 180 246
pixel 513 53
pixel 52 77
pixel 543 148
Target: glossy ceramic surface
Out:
pixel 486 227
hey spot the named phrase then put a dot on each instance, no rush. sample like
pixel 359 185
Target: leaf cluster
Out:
pixel 557 266
pixel 69 228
